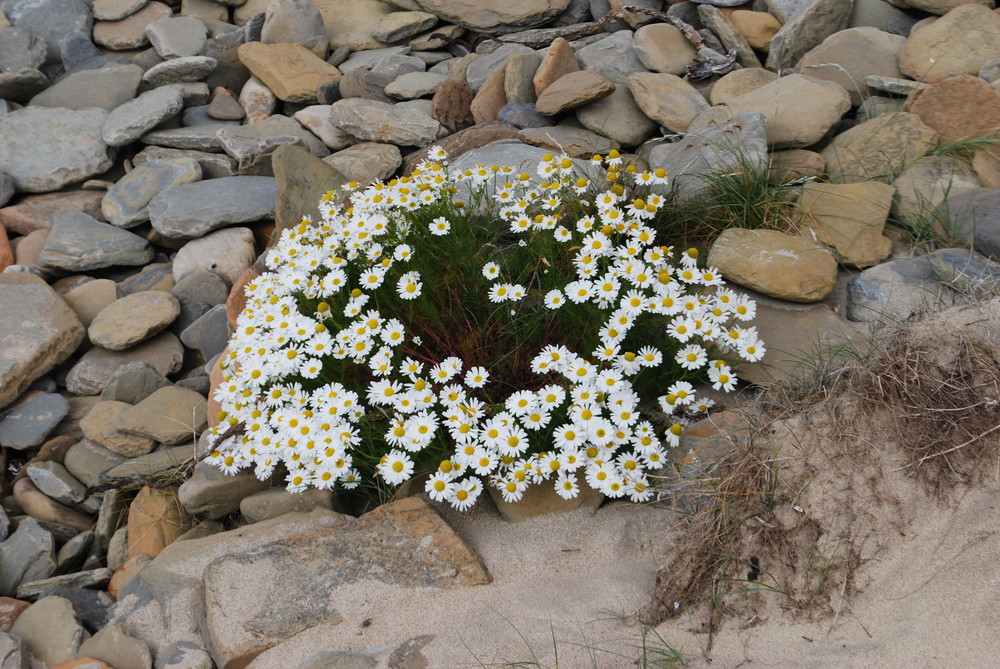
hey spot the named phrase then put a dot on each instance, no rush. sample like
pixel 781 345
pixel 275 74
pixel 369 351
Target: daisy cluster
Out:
pixel 335 299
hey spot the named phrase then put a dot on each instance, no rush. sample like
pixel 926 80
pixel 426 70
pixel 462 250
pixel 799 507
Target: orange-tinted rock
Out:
pixel 126 573
pixel 237 300
pixel 491 97
pixel 10 609
pixel 958 108
pixel 291 71
pixel 6 253
pixel 155 519
pixel 560 61
pixel 451 106
pixel 35 212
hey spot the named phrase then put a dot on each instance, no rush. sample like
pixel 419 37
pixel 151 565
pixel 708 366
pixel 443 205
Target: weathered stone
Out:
pixel 618 118
pixel 518 74
pixel 21 85
pixel 523 115
pixel 10 609
pixel 815 22
pixel 373 121
pixel 302 180
pixel 20 49
pixel 225 252
pixel 27 424
pixel 851 55
pixel 50 631
pixel 155 519
pixel 663 48
pixel 252 145
pixel 99 427
pixel 959 108
pixel 498 17
pixel 739 82
pixel 924 186
pixel 155 276
pixel 115 647
pixel 180 70
pixel 195 209
pixel 774 263
pixel 877 149
pixel 87 299
pixel 133 319
pixel 558 61
pixel 490 98
pixel 164 460
pixel 177 36
pixel 27 555
pixel 399 26
pixel 198 138
pixel 80 243
pixel 959 43
pixel 290 70
pixel 130 31
pixel 892 85
pixel 107 88
pixel 275 502
pixel 463 141
pixel 574 142
pixel 730 36
pixel 125 572
pixel 212 494
pixel 758 28
pixel 89 375
pixel 795 164
pixel 897 289
pixel 573 90
pixel 170 415
pixel 667 99
pixel 35 212
pixel 54 480
pixel 316 119
pixel 414 85
pixel 38 332
pixel 965 271
pixel 129 121
pixel 849 218
pixel 975 217
pixel 45 149
pixel 44 509
pixel 363 163
pixel 126 203
pixel 115 10
pixel 613 57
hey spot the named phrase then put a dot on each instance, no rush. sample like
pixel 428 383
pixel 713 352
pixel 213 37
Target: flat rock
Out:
pixel 107 88
pixel 758 28
pixel 126 203
pixel 27 424
pixel 133 383
pixel 730 36
pixel 252 145
pixel 667 99
pixel 739 82
pixel 210 493
pixel 170 415
pixel 977 116
pixel 302 180
pixel 924 186
pixel 130 32
pixel 661 47
pixel 295 21
pixel 618 118
pixel 195 209
pixel 131 120
pixel 99 427
pixel 958 43
pixel 613 57
pixel 115 647
pixel 291 71
pixel 20 49
pixel 27 555
pixel 227 253
pixel 965 270
pixel 808 28
pixel 44 149
pixel 398 26
pixel 850 56
pixel 163 460
pixel 573 90
pixel 495 18
pixel 133 319
pixel 369 120
pixel 558 60
pixel 38 332
pixel 155 276
pixel 774 263
pixel 177 36
pixel 275 502
pixel 85 460
pixel 180 70
pixel 849 218
pixel 46 510
pixel 975 217
pixel 895 290
pixel 50 631
pixel 413 85
pixel 350 23
pixel 316 119
pixel 89 375
pixel 574 142
pixel 115 10
pixel 878 149
pixel 52 21
pixel 80 243
pixel 198 138
pixel 942 7
pixel 201 286
pixel 57 482
pixel 87 299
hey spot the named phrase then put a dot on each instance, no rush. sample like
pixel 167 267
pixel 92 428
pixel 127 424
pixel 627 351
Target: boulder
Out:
pixel 849 218
pixel 957 43
pixel 878 149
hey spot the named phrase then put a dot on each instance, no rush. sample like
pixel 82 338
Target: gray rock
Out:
pixel 72 556
pixel 80 243
pixel 92 371
pixel 80 53
pixel 6 188
pixel 213 494
pixel 156 276
pixel 29 423
pixel 368 57
pixel 213 165
pixel 193 210
pixel 126 203
pixel 90 606
pixel 302 180
pixel 13 653
pixel 27 555
pixel 176 70
pixel 163 460
pixel 177 36
pixel 227 252
pixel 414 85
pixel 975 217
pixel 496 18
pixel 52 21
pixel 190 312
pixel 338 659
pixel 524 115
pixel 293 21
pixel 201 286
pixel 363 83
pixel 275 502
pixel 44 149
pixel 115 10
pixel 209 334
pixel 90 578
pixel 107 88
pixel 965 271
pixel 113 645
pixel 613 57
pixel 896 290
pixel 198 138
pixel 20 85
pixel 20 49
pixel 504 152
pixel 100 427
pixel 194 116
pixel 128 122
pixel 85 460
pixel 54 480
pixel 618 118
pixel 373 121
pixel 482 67
pixel 720 3
pixel 50 630
pixel 38 332
pixel 814 23
pixel 729 35
pixel 252 145
pixel 133 383
pixel 316 119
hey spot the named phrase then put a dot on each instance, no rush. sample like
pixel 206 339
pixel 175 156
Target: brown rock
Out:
pixel 573 90
pixel 6 253
pixel 958 108
pixel 214 407
pixel 576 142
pixel 133 319
pixel 451 105
pixel 224 106
pixel 878 149
pixel 237 299
pixel 663 48
pixel 774 263
pixel 362 83
pixel 491 97
pixel 155 519
pixel 83 663
pixel 171 415
pixel 795 164
pixel 849 218
pixel 958 43
pixel 924 186
pixel 126 573
pixel 291 71
pixel 88 299
pixel 757 27
pixel 27 249
pixel 35 212
pixel 463 141
pixel 257 100
pixel 986 164
pixel 99 426
pixel 130 32
pixel 667 99
pixel 848 56
pixel 302 179
pixel 558 62
pixel 40 506
pixel 10 609
pixel 521 69
pixel 96 366
pixel 739 82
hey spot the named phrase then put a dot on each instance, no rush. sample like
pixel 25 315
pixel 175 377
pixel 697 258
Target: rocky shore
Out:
pixel 149 152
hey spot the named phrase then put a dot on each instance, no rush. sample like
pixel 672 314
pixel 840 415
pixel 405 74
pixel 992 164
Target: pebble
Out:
pixel 85 460
pixel 179 70
pixel 661 47
pixel 177 36
pixel 618 118
pixel 959 43
pixel 130 32
pixel 573 90
pixel 28 424
pixel 850 219
pixel 374 121
pixel 252 145
pixel 50 630
pixel 100 427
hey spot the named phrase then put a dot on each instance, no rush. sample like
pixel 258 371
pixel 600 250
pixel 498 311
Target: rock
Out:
pixel 10 609
pixel 735 145
pixel 574 142
pixel 849 218
pixel 107 88
pixel 55 481
pixel 166 460
pixel 20 49
pixel 275 502
pixel 291 71
pixel 942 7
pixel 667 99
pixel 252 145
pixel 369 120
pixel 795 164
pixel 212 494
pixel 758 28
pixel 739 82
pixel 316 119
pixel 180 70
pixel 958 43
pixel 618 118
pixel 89 375
pixel 965 271
pixel 452 105
pixel 302 180
pixel 177 37
pixel 171 415
pixel 485 65
pixel 35 212
pixel 613 57
pixel 924 186
pixel 156 276
pixel 876 106
pixel 195 209
pixel 495 18
pixel 976 117
pixel 295 21
pixel 71 557
pixel 45 149
pixel 490 98
pixel 155 519
pixel 133 319
pixel 13 653
pixel 130 32
pixel 99 427
pixel 38 332
pixel 129 121
pixel 363 83
pixel 850 56
pixel 774 263
pixel 224 107
pixel 199 138
pixel 413 85
pixel 895 290
pixel 87 299
pixel 80 243
pixel 115 647
pixel 558 61
pixel 90 606
pixel 21 85
pixel 44 509
pixel 126 203
pixel 973 216
pixel 224 252
pixel 115 10
pixel 518 74
pixel 523 115
pixel 50 631
pixel 27 555
pixel 6 253
pixel 799 109
pixel 126 572
pixel 661 47
pixel 201 286
pixel 70 425
pixel 27 424
pixel 573 90
pixel 340 659
pixel 398 26
pixel 85 460
pixel 52 21
pixel 815 22
pixel 235 304
pixel 878 149
pixel 730 36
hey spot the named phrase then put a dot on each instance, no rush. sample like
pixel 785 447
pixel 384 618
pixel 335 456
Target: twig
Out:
pixel 962 445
